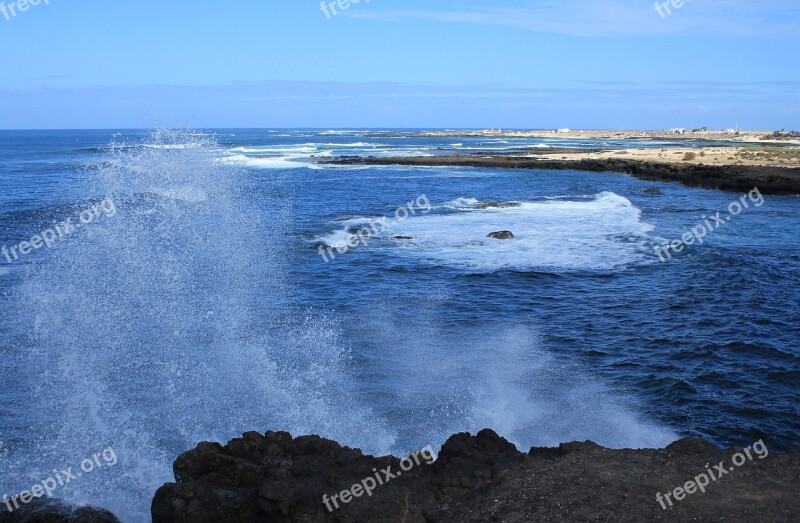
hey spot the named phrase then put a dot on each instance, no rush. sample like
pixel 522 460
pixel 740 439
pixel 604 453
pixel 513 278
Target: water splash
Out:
pixel 177 321
pixel 443 378
pixel 148 332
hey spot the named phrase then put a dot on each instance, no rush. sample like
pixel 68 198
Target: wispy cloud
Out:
pixel 736 18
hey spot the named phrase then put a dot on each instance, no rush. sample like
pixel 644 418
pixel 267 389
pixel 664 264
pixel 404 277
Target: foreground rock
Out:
pixel 735 178
pixel 275 477
pixel 46 510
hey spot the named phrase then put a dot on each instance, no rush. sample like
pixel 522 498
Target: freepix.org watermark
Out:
pixel 343 5
pixel 61 478
pixel 698 233
pixel 664 8
pixel 49 236
pixel 369 484
pixel 364 235
pixel 11 9
pixel 704 479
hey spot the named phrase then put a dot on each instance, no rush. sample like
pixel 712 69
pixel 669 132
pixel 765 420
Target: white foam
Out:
pixel 342 132
pixel 416 151
pixel 356 144
pixel 461 203
pixel 335 239
pixel 268 149
pixel 604 232
pixel 262 162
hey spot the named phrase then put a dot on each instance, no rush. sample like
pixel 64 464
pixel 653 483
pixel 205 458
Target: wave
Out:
pixel 264 149
pixel 602 232
pixel 343 132
pixel 261 162
pixel 461 203
pixel 338 238
pixel 149 326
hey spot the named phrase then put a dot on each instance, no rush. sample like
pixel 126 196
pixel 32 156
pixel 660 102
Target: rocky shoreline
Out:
pixel 275 477
pixel 734 178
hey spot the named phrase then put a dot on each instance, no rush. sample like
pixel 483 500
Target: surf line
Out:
pixel 365 234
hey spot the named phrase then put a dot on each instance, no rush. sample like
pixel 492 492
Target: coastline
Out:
pixel 719 173
pixel 277 477
pixel 743 137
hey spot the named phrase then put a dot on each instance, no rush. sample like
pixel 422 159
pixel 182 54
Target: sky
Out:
pixel 524 64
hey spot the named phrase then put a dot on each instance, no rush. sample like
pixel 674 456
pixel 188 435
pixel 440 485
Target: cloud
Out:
pixel 595 18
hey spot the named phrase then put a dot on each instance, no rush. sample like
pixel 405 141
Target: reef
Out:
pixel 733 178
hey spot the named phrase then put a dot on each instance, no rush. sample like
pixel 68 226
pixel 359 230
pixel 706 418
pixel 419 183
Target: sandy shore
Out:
pixel 760 137
pixel 769 156
pixel 741 162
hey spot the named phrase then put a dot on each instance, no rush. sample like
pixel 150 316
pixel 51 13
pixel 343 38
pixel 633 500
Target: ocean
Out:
pixel 195 285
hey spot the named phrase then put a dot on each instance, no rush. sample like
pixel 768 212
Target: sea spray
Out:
pixel 444 377
pixel 171 324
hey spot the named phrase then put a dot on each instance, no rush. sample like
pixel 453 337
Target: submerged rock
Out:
pixel 501 235
pixel 652 190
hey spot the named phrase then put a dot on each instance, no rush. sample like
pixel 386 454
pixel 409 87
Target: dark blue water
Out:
pixel 202 308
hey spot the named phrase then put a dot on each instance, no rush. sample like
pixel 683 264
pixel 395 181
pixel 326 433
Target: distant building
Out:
pixel 677 130
pixel 564 130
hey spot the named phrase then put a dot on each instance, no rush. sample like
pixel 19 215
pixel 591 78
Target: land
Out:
pixel 763 156
pixel 773 169
pixel 729 161
pixel 744 137
pixel 275 477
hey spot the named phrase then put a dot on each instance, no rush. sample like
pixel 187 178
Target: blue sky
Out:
pixel 401 63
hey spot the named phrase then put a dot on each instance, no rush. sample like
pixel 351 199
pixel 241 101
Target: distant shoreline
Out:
pixel 722 168
pixel 744 137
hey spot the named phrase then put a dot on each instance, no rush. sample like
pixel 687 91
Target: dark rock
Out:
pixel 403 238
pixel 479 478
pixel 653 190
pixel 51 510
pixel 734 178
pixel 501 235
pixel 691 446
